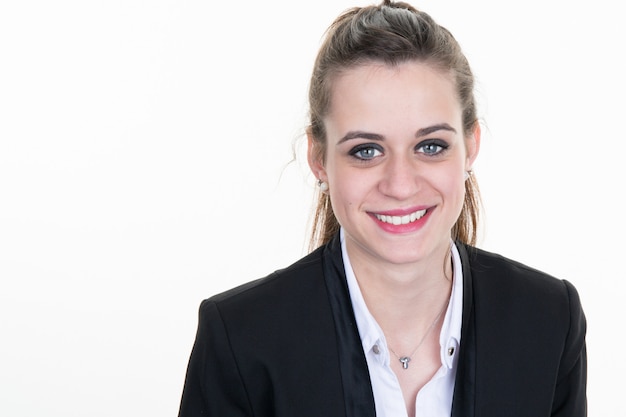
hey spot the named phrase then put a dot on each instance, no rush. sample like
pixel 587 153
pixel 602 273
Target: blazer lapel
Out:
pixel 465 384
pixel 357 389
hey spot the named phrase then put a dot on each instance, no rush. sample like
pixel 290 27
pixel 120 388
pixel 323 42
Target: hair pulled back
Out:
pixel 390 33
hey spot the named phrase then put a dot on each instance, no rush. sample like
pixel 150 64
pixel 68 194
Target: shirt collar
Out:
pixel 372 336
pixel 450 336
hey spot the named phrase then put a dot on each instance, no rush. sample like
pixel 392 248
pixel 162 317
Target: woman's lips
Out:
pixel 401 219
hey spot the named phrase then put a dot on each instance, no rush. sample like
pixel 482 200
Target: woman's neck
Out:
pixel 408 295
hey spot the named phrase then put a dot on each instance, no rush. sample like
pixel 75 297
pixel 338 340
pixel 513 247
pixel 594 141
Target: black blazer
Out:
pixel 287 345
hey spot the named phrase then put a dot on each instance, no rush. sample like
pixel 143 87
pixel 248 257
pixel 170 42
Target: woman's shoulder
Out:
pixel 280 290
pixel 515 284
pixel 286 303
pixel 496 268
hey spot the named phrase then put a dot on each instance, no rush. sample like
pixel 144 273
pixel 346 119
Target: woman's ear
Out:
pixel 315 157
pixel 472 146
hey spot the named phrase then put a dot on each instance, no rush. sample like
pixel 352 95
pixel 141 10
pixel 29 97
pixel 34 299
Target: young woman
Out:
pixel 395 313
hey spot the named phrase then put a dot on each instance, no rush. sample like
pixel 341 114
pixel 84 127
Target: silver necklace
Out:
pixel 404 360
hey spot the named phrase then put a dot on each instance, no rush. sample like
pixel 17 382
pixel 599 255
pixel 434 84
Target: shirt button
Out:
pixel 376 349
pixel 450 351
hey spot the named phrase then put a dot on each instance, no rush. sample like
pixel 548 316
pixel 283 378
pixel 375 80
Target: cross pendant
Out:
pixel 405 362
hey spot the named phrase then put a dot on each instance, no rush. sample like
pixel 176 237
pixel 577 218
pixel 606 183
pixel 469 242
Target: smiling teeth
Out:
pixel 398 220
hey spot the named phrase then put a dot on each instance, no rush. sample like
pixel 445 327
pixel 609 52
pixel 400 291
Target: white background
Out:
pixel 145 149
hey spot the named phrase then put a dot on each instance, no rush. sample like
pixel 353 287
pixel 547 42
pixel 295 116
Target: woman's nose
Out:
pixel 400 178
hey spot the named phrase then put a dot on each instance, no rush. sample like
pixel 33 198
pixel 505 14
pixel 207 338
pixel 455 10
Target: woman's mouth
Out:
pixel 399 220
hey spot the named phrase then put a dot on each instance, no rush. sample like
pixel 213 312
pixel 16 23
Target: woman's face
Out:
pixel 395 160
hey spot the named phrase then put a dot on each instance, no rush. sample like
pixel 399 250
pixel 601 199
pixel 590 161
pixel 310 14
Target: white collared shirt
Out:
pixel 435 398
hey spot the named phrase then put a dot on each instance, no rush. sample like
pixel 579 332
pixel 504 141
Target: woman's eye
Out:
pixel 433 147
pixel 365 152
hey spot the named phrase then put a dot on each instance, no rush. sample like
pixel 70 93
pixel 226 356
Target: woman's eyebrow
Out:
pixel 434 128
pixel 360 135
